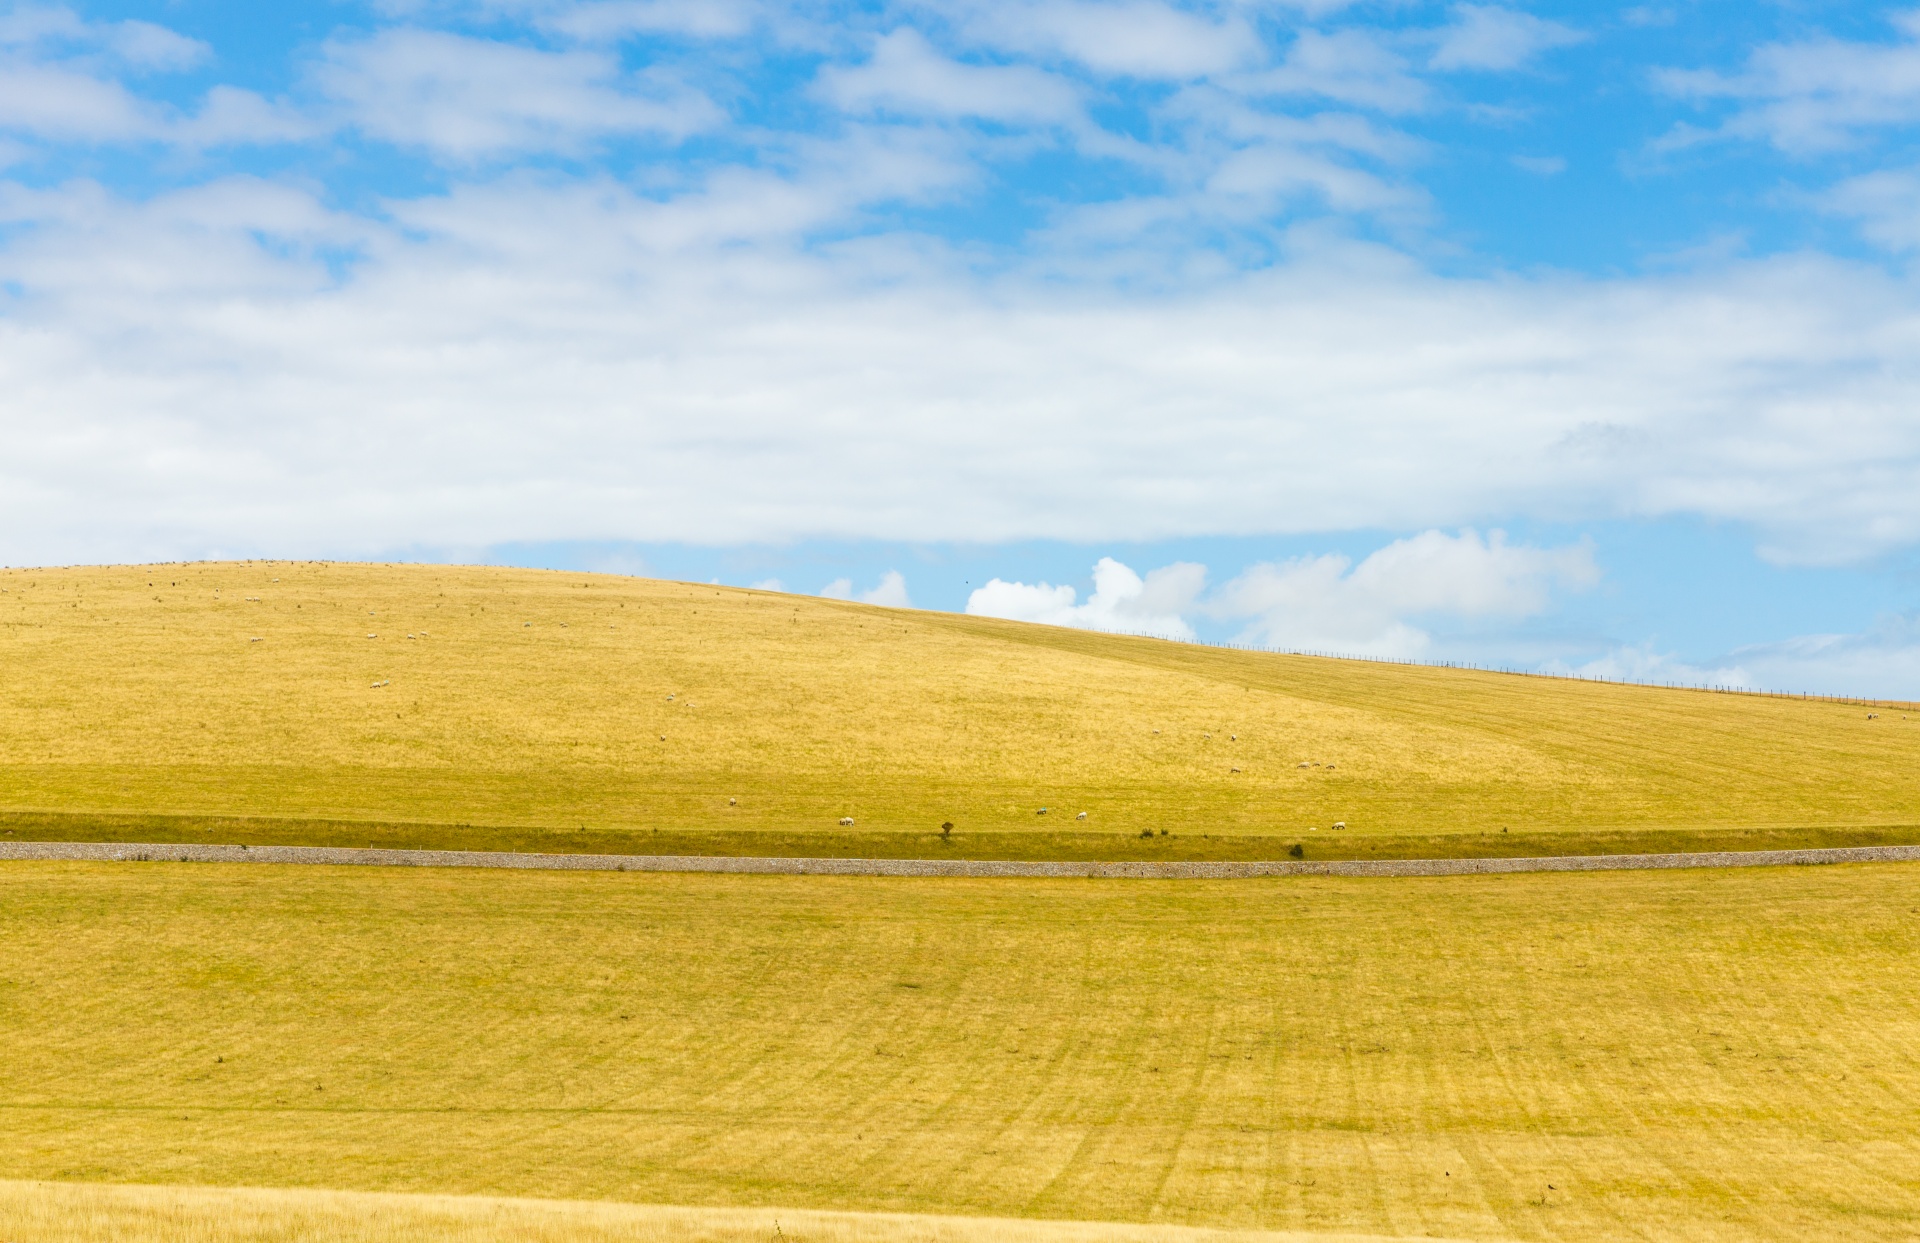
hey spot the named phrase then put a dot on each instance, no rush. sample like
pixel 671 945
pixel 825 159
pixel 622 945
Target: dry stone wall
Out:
pixel 110 852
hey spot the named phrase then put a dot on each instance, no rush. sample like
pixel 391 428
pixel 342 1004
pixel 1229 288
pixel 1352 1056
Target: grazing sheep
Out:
pixel 1303 764
pixel 1040 811
pixel 1233 770
pixel 1081 816
pixel 1339 824
pixel 846 822
pixel 732 802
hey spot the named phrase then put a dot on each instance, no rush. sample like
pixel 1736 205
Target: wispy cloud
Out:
pixel 1811 95
pixel 466 98
pixel 1493 37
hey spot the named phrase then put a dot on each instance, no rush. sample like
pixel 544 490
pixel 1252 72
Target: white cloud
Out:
pixel 55 102
pixel 147 46
pixel 889 592
pixel 1132 38
pixel 1489 36
pixel 58 83
pixel 1884 662
pixel 1541 165
pixel 471 99
pixel 1886 204
pixel 1316 603
pixel 1122 601
pixel 774 584
pixel 1353 67
pixel 1813 95
pixel 905 74
pixel 1328 603
pixel 529 361
pixel 1644 664
pixel 1881 663
pixel 617 19
pixel 54 30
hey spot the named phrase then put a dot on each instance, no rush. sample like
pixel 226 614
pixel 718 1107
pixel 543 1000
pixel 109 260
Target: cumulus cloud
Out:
pixel 1121 602
pixel 889 592
pixel 468 98
pixel 1489 36
pixel 1328 603
pixel 1316 603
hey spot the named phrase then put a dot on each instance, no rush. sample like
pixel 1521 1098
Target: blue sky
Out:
pixel 1551 335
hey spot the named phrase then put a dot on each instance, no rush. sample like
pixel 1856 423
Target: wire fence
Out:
pixel 1510 671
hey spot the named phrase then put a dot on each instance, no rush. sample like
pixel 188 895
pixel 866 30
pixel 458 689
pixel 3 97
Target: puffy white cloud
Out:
pixel 1489 36
pixel 906 75
pixel 890 591
pixel 1121 602
pixel 1815 94
pixel 1328 603
pixel 469 99
pixel 1316 603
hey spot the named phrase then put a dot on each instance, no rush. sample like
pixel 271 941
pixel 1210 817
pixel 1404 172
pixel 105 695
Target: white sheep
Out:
pixel 846 822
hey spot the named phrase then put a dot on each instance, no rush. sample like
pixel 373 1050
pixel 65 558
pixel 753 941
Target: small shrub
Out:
pixel 1298 851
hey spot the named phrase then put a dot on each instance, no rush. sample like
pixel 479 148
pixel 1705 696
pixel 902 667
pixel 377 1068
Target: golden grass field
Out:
pixel 1701 1055
pixel 40 1212
pixel 315 703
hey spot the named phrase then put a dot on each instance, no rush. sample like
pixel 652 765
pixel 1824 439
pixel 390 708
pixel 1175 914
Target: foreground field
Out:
pixel 1707 1055
pixel 448 707
pixel 62 1213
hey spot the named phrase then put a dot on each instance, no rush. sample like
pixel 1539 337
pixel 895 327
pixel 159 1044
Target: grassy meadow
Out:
pixel 1704 1055
pixel 40 1212
pixel 313 703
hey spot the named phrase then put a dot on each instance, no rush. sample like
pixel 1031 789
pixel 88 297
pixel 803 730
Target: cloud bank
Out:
pixel 1317 603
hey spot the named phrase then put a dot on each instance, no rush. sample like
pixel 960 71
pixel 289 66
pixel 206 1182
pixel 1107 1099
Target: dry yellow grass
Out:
pixel 66 1213
pixel 1710 1055
pixel 577 711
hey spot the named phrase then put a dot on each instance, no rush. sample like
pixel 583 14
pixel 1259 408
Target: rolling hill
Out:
pixel 326 703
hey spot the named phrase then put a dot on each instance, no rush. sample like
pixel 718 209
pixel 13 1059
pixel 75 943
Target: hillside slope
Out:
pixel 397 704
